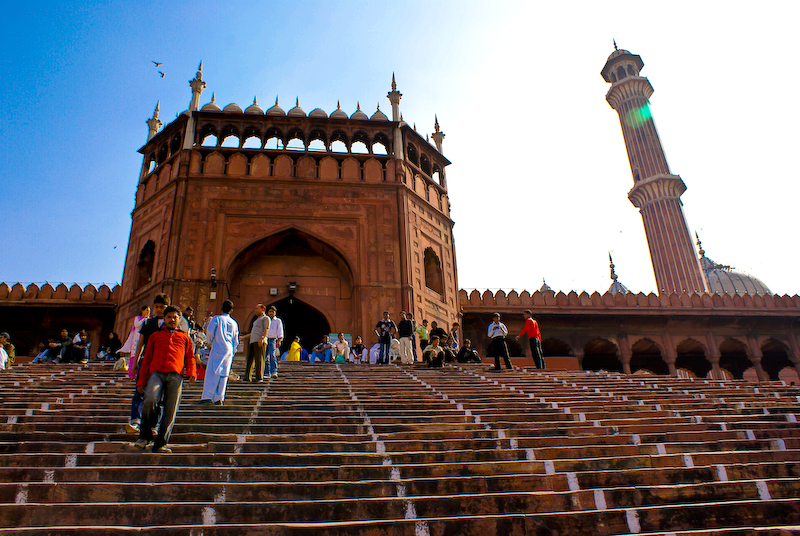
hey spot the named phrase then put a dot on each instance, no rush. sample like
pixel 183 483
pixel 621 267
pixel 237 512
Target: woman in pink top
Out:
pixel 133 338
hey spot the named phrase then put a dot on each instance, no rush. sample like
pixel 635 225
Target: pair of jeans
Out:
pixel 383 352
pixel 163 391
pixel 325 355
pixel 271 357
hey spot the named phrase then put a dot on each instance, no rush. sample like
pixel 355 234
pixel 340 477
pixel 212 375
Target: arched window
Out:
pixel 380 144
pixel 209 140
pixel 339 142
pixel 175 144
pixel 437 174
pixel 253 142
pixel 631 72
pixel 359 147
pixel 144 268
pixel 433 271
pixel 296 140
pixel 230 141
pixel 425 164
pixel 411 153
pixel 621 72
pixel 163 153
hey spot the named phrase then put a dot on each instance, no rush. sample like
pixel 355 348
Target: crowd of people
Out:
pixel 167 346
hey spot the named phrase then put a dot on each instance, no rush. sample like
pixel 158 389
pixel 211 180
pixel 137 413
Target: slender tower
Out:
pixel 656 192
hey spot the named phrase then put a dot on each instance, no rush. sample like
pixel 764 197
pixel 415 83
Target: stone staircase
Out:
pixel 351 449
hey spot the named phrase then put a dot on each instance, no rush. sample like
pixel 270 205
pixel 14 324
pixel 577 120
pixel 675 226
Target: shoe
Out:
pixel 203 402
pixel 163 450
pixel 132 428
pixel 141 443
pixel 218 403
pixel 275 375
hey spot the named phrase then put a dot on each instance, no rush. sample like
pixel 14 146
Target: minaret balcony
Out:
pixel 656 188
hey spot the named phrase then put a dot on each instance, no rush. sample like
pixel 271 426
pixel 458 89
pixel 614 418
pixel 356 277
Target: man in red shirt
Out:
pixel 168 352
pixel 531 328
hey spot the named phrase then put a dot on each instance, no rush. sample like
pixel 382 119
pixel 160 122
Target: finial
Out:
pixel 213 96
pixel 401 117
pixel 394 84
pixel 297 102
pixel 415 127
pixel 358 106
pixel 611 265
pixel 158 109
pixel 615 44
pixel 338 105
pixel 436 123
pixel 200 67
pixel 427 138
pixel 379 106
pixel 699 245
pixel 276 100
pixel 255 100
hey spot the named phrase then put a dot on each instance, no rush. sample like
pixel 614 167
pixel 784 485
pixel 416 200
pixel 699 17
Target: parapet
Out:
pixel 679 303
pixel 47 294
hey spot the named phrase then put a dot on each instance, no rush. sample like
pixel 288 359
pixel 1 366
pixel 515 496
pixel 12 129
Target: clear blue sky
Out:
pixel 539 167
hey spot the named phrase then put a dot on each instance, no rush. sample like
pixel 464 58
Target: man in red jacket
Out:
pixel 531 328
pixel 169 351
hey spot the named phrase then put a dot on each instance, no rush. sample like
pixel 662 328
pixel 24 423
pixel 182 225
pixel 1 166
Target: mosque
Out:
pixel 336 217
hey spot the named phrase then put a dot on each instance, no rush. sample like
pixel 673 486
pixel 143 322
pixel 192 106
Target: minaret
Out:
pixel 153 124
pixel 656 192
pixel 197 88
pixel 438 135
pixel 394 97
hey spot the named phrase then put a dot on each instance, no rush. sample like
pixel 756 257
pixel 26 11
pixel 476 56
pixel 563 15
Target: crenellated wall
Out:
pixel 754 336
pixel 31 313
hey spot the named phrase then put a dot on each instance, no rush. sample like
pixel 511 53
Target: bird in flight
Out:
pixel 156 63
pixel 162 74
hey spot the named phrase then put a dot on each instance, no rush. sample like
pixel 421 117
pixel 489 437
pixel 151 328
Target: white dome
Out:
pixel 232 108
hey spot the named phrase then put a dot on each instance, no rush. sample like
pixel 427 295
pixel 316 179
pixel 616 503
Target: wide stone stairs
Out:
pixel 351 449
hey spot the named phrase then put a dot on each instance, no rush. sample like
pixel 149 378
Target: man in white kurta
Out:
pixel 223 338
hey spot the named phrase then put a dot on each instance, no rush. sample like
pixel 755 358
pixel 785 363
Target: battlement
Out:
pixel 48 295
pixel 681 303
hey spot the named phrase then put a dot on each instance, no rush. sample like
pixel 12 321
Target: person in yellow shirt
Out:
pixel 294 350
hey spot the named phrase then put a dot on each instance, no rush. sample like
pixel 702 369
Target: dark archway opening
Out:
pixel 601 354
pixel 734 358
pixel 776 358
pixel 692 357
pixel 301 319
pixel 645 354
pixel 144 267
pixel 555 348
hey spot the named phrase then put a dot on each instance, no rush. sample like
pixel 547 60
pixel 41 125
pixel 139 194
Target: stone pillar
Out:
pixel 716 373
pixel 755 359
pixel 625 358
pixel 670 361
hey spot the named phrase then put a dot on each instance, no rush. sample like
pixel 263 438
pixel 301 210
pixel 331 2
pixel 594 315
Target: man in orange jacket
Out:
pixel 168 353
pixel 531 329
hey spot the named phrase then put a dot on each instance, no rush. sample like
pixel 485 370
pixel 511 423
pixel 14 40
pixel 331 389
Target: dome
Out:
pixel 545 287
pixel 379 115
pixel 317 112
pixel 296 111
pixel 254 108
pixel 726 280
pixel 618 52
pixel 276 110
pixel 232 108
pixel 338 113
pixel 723 279
pixel 211 106
pixel 358 114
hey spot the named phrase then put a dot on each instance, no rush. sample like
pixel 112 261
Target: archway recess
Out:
pixel 301 319
pixel 297 266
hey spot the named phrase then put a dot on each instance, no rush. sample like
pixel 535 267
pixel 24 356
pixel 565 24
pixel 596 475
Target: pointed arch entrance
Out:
pixel 301 319
pixel 308 280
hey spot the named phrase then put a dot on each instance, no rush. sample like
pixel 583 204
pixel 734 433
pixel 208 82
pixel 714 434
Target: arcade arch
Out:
pixel 646 355
pixel 309 277
pixel 692 357
pixel 733 358
pixel 601 354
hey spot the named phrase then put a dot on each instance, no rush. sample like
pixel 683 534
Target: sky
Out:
pixel 539 176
